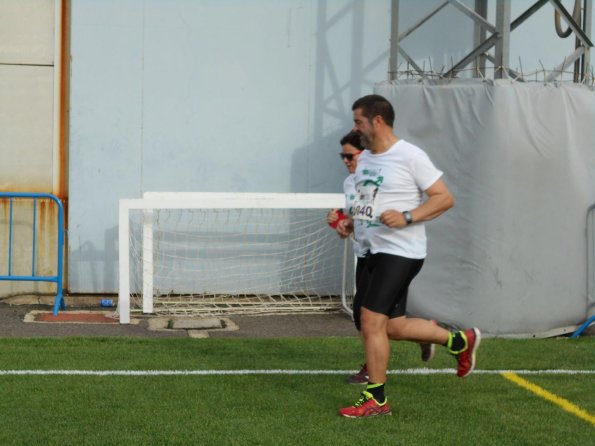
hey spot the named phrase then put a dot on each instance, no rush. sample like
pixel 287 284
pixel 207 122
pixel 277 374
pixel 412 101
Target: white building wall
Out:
pixel 208 96
pixel 229 95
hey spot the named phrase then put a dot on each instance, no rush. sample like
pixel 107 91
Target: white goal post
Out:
pixel 232 253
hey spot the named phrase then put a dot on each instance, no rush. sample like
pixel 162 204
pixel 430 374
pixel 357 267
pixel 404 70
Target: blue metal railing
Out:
pixel 57 279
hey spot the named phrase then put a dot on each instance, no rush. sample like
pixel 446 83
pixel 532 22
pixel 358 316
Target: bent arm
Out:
pixel 439 201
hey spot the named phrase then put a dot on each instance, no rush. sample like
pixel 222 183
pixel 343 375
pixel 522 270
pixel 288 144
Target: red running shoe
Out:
pixel 366 406
pixel 466 358
pixel 360 377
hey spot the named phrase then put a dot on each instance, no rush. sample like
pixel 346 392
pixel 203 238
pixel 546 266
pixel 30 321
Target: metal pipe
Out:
pixel 479 35
pixel 586 41
pixel 586 59
pixel 10 239
pixel 394 40
pixel 34 230
pixel 57 93
pixel 503 42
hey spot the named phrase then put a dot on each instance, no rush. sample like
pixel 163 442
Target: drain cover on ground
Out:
pixel 80 317
pixel 197 324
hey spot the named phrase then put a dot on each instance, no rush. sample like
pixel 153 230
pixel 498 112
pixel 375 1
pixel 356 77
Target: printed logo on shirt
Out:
pixel 374 173
pixel 350 199
pixel 364 205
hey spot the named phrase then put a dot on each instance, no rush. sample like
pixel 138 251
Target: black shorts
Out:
pixel 384 282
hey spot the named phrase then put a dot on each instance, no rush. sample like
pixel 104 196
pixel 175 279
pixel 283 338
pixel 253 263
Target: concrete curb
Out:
pixel 70 301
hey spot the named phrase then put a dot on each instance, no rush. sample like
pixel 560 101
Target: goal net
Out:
pixel 220 253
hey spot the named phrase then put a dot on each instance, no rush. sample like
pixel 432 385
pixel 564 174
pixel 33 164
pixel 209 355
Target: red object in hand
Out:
pixel 340 216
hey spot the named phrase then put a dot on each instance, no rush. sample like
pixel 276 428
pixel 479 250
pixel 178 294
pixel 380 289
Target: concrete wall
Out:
pixel 27 138
pixel 229 96
pixel 26 94
pixel 209 96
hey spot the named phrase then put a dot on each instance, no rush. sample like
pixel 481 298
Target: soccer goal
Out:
pixel 232 253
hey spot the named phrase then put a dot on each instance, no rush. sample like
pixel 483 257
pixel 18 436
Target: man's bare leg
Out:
pixel 377 349
pixel 415 329
pixel 462 344
pixel 376 344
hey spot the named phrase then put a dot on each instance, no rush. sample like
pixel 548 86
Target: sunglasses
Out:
pixel 347 156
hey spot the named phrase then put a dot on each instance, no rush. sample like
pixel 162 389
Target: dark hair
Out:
pixel 375 105
pixel 352 139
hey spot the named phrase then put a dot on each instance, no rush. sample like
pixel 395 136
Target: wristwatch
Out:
pixel 408 217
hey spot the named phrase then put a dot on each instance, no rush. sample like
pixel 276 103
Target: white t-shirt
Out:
pixel 350 194
pixel 395 180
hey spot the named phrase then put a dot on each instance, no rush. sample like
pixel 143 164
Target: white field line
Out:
pixel 420 371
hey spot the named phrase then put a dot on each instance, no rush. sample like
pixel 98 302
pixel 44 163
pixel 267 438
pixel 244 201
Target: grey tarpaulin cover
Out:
pixel 511 256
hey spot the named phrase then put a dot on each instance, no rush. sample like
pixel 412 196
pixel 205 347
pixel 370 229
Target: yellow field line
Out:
pixel 564 404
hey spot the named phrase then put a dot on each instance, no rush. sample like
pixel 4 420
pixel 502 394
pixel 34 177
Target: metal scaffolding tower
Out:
pixel 488 36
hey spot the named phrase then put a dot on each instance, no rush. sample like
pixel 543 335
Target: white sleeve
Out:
pixel 424 171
